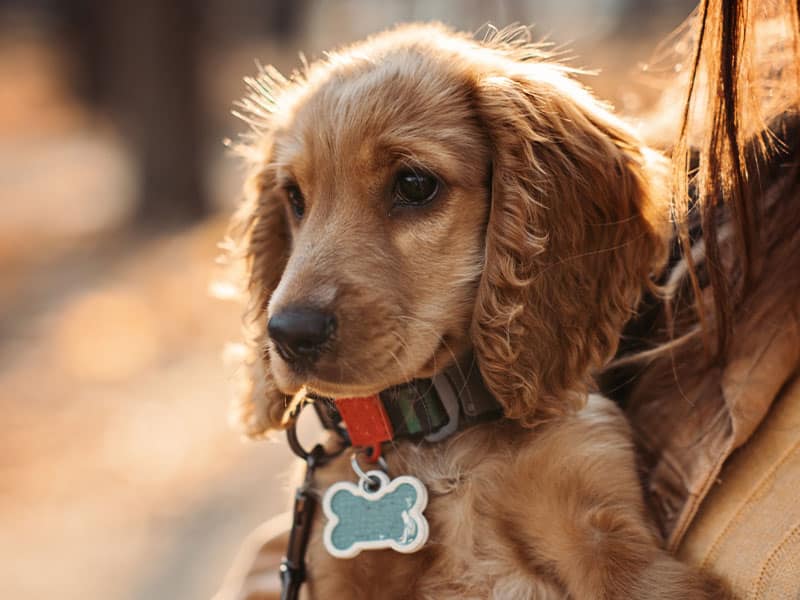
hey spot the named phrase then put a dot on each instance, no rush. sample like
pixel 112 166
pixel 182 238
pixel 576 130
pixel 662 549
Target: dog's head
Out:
pixel 421 194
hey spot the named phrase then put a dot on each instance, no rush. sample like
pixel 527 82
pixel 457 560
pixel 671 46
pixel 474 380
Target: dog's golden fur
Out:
pixel 548 513
pixel 551 218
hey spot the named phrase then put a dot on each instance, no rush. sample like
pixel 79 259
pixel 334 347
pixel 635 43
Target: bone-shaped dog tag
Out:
pixel 375 513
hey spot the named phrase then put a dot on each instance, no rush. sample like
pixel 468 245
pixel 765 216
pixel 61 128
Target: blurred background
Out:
pixel 119 475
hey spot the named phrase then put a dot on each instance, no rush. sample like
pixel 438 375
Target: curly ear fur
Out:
pixel 576 227
pixel 258 246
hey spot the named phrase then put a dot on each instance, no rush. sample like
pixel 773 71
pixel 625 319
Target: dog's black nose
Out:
pixel 299 333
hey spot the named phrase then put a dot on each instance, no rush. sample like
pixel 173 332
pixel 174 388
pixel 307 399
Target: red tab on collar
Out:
pixel 366 421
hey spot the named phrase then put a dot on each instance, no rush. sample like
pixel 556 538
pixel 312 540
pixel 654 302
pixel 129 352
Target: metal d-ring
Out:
pixel 294 442
pixel 316 454
pixel 364 478
pixel 293 565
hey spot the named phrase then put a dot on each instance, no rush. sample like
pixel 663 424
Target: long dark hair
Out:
pixel 744 73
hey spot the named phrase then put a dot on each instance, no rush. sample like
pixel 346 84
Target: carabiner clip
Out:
pixel 293 565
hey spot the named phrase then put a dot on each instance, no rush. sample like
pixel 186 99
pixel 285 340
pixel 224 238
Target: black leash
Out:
pixel 293 566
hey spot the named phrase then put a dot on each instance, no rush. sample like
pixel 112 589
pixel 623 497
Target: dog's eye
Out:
pixel 296 200
pixel 415 189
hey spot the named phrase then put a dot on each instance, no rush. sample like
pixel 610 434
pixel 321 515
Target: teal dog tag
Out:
pixel 375 513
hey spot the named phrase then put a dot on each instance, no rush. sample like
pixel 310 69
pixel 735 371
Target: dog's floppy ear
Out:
pixel 258 248
pixel 576 227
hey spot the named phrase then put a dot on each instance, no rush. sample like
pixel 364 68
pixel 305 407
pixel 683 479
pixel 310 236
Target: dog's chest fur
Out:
pixel 503 499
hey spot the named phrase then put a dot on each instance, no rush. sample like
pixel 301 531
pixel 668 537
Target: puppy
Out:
pixel 421 197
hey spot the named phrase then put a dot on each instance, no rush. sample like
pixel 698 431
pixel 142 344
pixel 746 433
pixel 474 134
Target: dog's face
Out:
pixel 421 194
pixel 384 179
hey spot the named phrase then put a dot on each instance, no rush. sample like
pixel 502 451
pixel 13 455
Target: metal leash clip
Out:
pixel 293 567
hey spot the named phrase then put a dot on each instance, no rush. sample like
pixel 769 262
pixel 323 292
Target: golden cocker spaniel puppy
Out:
pixel 421 197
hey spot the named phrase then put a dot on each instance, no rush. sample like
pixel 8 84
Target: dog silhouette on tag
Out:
pixel 387 516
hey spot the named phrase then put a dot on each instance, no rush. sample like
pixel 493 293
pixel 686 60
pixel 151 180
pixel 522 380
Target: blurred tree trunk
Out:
pixel 141 63
pixel 155 92
pixel 643 16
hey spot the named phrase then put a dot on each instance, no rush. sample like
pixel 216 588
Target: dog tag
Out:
pixel 375 513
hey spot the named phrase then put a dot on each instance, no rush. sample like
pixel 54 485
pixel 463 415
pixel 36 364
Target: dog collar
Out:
pixel 429 408
pixel 432 409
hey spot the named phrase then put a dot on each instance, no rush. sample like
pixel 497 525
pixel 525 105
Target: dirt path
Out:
pixel 119 476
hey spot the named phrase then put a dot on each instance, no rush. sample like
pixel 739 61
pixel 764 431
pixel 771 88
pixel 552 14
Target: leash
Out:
pixel 430 409
pixel 293 566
